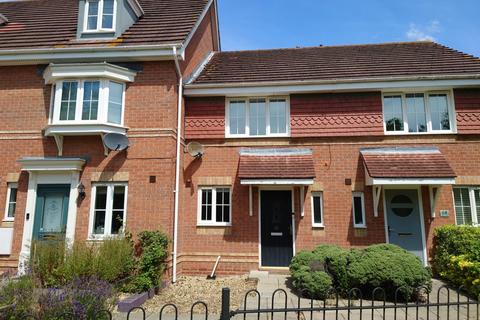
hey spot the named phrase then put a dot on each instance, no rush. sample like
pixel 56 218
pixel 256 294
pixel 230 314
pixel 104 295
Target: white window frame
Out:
pixel 473 204
pixel 103 101
pixel 362 196
pixel 212 222
pixel 10 186
pixel 320 195
pixel 428 119
pixel 247 117
pixel 99 18
pixel 109 210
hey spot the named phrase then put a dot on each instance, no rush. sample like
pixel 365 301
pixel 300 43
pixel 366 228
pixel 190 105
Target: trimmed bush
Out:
pixel 457 256
pixel 451 241
pixel 384 265
pixel 390 267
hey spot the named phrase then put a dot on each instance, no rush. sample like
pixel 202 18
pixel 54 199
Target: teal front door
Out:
pixel 51 211
pixel 403 220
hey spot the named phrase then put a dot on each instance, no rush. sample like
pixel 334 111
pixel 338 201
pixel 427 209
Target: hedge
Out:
pixel 385 265
pixel 457 256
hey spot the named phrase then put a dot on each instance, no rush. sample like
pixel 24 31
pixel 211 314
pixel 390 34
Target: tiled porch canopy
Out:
pixel 406 166
pixel 282 166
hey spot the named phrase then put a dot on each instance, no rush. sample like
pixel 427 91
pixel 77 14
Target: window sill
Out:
pixel 318 226
pixel 360 227
pixel 94 238
pixel 80 129
pixel 8 220
pixel 401 133
pixel 200 224
pixel 229 136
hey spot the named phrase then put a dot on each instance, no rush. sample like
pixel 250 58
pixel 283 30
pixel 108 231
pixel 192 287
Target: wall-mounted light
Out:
pixel 81 191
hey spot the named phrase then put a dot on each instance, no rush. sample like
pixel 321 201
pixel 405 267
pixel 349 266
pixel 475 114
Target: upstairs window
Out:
pixel 100 15
pixel 425 112
pixel 88 101
pixel 257 117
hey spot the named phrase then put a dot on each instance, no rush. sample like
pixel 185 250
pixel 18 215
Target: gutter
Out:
pixel 177 166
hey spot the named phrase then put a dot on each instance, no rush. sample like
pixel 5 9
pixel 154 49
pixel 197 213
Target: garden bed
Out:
pixel 189 290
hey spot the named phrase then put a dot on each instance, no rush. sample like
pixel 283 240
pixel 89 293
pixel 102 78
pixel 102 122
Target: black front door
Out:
pixel 276 228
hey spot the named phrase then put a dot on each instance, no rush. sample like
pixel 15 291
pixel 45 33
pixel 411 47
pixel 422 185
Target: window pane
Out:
pixel 222 205
pixel 119 197
pixel 117 221
pixel 438 104
pixel 101 198
pixel 12 203
pixel 416 112
pixel 107 21
pixel 69 100
pixel 91 90
pixel 92 17
pixel 99 222
pixel 237 110
pixel 317 209
pixel 206 205
pixel 278 116
pixel 463 209
pixel 258 125
pixel 393 113
pixel 108 6
pixel 477 203
pixel 115 102
pixel 358 210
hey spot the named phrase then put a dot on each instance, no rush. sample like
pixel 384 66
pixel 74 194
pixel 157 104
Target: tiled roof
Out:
pixel 53 23
pixel 406 163
pixel 337 62
pixel 295 166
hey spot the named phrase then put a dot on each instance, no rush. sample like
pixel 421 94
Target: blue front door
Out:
pixel 403 220
pixel 51 212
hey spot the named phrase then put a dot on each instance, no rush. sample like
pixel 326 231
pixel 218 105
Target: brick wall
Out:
pixel 336 159
pixel 150 114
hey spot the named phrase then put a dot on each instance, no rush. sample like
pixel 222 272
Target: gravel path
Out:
pixel 189 290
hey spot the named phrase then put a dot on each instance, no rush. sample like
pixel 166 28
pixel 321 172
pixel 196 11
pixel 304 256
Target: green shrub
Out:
pixel 18 293
pixel 336 262
pixel 151 264
pixel 316 283
pixel 390 267
pixel 451 241
pixel 110 260
pixel 457 256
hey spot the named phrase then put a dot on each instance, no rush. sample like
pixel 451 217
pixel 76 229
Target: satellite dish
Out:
pixel 195 149
pixel 116 141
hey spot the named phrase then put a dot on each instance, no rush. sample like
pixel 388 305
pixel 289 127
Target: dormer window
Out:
pixel 100 15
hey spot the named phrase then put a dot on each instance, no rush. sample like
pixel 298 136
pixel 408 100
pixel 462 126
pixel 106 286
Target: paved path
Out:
pixel 270 283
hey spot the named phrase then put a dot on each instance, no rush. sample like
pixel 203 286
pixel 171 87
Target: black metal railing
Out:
pixel 351 305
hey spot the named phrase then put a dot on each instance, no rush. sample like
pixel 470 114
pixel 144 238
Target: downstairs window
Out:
pixel 467 205
pixel 214 207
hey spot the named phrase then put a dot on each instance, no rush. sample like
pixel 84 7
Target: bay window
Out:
pixel 257 117
pixel 418 112
pixel 88 101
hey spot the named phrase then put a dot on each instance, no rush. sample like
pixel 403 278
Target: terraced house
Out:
pixel 244 156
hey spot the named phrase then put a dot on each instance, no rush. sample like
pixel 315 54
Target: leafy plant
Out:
pixel 151 263
pixel 17 293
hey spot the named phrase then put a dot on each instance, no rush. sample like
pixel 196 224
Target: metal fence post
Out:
pixel 225 314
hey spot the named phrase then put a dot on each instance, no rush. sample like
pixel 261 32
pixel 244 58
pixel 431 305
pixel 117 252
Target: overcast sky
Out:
pixel 252 24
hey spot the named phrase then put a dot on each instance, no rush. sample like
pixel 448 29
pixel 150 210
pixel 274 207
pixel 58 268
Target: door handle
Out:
pixel 390 229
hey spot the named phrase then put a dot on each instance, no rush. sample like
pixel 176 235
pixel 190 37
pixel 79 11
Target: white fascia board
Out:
pixel 56 72
pixel 410 181
pixel 282 88
pixel 283 182
pixel 136 7
pixel 114 53
pixel 82 129
pixel 51 164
